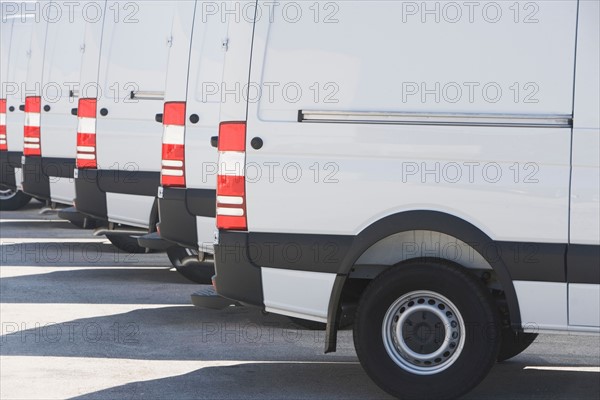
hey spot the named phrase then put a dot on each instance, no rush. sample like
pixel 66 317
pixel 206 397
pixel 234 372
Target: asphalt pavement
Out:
pixel 80 319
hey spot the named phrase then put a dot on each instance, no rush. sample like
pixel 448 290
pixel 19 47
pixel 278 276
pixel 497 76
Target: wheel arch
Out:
pixel 420 220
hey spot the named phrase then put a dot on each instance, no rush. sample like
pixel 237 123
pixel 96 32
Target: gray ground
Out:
pixel 80 319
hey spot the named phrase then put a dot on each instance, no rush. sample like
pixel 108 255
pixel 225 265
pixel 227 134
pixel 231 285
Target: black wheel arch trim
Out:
pixel 410 221
pixel 583 264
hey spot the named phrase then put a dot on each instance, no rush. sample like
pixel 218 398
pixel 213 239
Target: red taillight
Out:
pixel 3 142
pixel 86 134
pixel 173 148
pixel 32 145
pixel 231 184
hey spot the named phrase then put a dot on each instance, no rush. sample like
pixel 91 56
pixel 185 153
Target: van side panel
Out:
pixel 585 196
pixel 207 58
pixel 134 59
pixel 132 75
pixel 62 65
pixel 88 74
pixel 341 175
pixel 583 269
pixel 206 74
pixel 5 40
pixel 497 177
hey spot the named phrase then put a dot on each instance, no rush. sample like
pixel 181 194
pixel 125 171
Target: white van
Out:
pixel 50 146
pixel 121 89
pixel 431 169
pixel 187 194
pixel 16 32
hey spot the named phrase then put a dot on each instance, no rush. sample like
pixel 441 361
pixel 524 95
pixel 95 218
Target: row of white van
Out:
pixel 67 76
pixel 426 171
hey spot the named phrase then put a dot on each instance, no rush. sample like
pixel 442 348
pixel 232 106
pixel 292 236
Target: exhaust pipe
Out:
pixel 125 232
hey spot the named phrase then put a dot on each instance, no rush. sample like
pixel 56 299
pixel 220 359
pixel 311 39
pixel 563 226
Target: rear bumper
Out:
pixel 237 278
pixel 9 160
pixel 38 172
pixel 89 199
pixel 91 186
pixel 178 209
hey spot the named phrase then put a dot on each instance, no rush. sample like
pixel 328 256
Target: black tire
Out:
pixel 11 200
pixel 514 343
pixel 188 264
pixel 128 244
pixel 444 298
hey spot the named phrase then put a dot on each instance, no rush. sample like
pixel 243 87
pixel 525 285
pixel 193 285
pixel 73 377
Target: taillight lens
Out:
pixel 3 142
pixel 86 134
pixel 32 140
pixel 231 181
pixel 173 146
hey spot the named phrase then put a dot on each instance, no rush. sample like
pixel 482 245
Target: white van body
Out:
pixel 399 132
pixel 124 68
pixel 50 176
pixel 187 213
pixel 17 32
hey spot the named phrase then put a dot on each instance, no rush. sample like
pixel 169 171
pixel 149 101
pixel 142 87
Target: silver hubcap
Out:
pixel 6 193
pixel 423 332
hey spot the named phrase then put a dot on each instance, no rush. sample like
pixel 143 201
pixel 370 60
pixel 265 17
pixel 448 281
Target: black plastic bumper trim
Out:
pixel 141 183
pixel 9 160
pixel 177 224
pixel 35 182
pixel 583 264
pixel 89 199
pixel 201 202
pixel 58 167
pixel 237 278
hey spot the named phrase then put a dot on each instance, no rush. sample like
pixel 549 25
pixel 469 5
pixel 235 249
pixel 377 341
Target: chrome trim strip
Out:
pixel 460 119
pixel 147 95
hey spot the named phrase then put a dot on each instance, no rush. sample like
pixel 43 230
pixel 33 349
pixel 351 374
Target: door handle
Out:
pixel 22 107
pixel 214 141
pixel 158 118
pixel 74 111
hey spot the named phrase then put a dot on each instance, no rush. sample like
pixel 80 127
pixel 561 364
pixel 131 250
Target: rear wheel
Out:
pixel 11 199
pixel 126 243
pixel 187 262
pixel 427 329
pixel 514 343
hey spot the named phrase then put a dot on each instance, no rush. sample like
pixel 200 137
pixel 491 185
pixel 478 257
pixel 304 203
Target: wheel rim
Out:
pixel 423 332
pixel 6 192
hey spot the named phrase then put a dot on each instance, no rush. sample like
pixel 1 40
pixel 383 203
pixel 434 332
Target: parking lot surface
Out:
pixel 82 320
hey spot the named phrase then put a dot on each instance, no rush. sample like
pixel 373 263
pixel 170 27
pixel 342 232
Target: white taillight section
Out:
pixel 32 144
pixel 3 140
pixel 86 134
pixel 173 145
pixel 231 184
